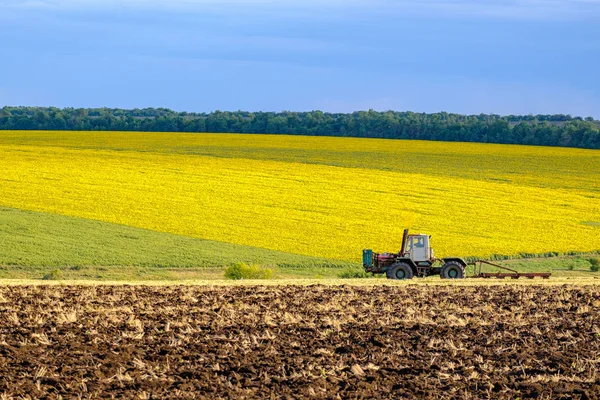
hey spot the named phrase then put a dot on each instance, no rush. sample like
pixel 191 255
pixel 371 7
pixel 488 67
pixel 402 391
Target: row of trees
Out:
pixel 548 130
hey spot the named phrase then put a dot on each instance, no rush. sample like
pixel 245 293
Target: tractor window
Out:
pixel 415 242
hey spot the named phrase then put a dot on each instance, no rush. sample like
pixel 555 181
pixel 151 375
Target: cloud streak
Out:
pixel 522 9
pixel 492 8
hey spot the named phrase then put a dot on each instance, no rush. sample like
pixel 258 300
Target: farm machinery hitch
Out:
pixel 477 266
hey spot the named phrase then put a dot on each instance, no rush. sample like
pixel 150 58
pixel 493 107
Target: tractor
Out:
pixel 415 258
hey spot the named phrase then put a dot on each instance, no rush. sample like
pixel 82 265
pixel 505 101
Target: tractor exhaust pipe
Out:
pixel 404 238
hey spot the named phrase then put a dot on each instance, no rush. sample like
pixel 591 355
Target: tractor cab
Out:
pixel 417 248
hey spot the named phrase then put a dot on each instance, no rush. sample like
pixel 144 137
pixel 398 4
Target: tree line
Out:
pixel 546 130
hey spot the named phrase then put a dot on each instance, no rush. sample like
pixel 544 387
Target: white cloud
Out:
pixel 446 4
pixel 186 4
pixel 521 9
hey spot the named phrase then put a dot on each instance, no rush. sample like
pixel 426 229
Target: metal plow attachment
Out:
pixel 501 275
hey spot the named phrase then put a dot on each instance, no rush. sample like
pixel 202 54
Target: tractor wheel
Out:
pixel 452 270
pixel 400 271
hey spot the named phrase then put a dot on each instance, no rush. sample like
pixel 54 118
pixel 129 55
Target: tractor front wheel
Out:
pixel 452 270
pixel 400 271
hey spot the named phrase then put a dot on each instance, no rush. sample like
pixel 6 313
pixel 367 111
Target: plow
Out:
pixel 416 259
pixel 477 272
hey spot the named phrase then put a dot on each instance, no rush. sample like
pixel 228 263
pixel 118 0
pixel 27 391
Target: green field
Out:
pixel 33 244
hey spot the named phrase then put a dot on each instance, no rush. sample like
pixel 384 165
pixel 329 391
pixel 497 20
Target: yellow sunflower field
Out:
pixel 326 197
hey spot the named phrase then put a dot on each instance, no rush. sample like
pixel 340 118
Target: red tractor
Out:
pixel 415 258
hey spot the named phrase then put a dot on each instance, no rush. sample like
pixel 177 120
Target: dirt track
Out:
pixel 315 341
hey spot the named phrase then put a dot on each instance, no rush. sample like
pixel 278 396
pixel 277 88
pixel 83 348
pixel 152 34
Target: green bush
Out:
pixel 571 267
pixel 351 273
pixel 53 275
pixel 594 264
pixel 243 271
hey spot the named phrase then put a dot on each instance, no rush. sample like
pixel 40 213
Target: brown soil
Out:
pixel 297 342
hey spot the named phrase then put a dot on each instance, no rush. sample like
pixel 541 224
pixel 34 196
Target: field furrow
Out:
pixel 303 342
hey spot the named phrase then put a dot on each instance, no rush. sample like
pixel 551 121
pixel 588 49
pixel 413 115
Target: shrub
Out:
pixel 594 264
pixel 351 273
pixel 243 271
pixel 53 275
pixel 571 267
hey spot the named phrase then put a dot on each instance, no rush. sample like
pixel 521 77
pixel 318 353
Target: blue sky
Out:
pixel 494 56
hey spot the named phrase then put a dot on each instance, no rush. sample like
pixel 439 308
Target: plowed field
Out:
pixel 315 341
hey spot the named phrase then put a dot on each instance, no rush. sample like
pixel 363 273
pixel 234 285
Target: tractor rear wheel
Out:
pixel 400 271
pixel 452 270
